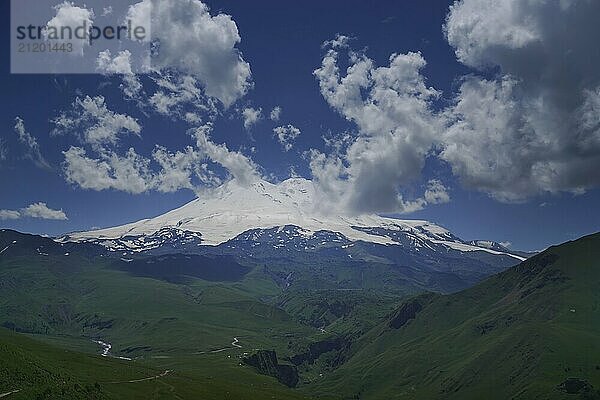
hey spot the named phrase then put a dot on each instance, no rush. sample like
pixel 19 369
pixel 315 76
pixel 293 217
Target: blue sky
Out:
pixel 282 44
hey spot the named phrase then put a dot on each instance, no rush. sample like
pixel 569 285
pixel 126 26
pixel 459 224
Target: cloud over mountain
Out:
pixel 533 127
pixel 392 109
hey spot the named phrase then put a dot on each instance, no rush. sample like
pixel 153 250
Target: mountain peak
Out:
pixel 225 212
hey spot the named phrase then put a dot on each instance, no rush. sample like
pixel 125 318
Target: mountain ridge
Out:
pixel 531 331
pixel 226 212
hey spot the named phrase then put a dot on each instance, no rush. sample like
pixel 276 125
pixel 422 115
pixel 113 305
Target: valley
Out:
pixel 182 323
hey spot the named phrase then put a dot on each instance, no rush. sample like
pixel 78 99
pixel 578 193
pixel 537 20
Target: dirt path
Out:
pixel 235 344
pixel 150 378
pixel 9 393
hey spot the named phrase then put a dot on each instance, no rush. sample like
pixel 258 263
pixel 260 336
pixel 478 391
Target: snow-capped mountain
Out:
pixel 231 210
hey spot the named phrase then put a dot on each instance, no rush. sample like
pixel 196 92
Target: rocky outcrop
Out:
pixel 265 362
pixel 316 349
pixel 575 386
pixel 405 313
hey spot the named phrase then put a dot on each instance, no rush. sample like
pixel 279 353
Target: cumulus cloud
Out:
pixel 525 122
pixel 129 173
pixel 275 114
pixel 41 210
pixel 9 214
pixel 36 210
pixel 119 64
pixel 251 116
pixel 95 123
pixel 163 171
pixel 240 167
pixel 105 167
pixel 339 42
pixel 436 192
pixel 286 135
pixel 71 16
pixel 180 96
pixel 133 173
pixel 178 170
pixel 391 107
pixel 532 128
pixel 191 40
pixel 33 148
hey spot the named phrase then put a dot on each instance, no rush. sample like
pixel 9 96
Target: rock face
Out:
pixel 317 349
pixel 406 312
pixel 575 386
pixel 265 362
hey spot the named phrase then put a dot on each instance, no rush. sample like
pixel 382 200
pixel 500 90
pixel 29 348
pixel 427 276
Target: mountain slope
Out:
pixel 277 225
pixel 160 313
pixel 36 370
pixel 231 209
pixel 530 332
pixel 31 369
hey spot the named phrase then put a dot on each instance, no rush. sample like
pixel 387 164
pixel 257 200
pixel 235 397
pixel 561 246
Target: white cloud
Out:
pixel 391 107
pixel 286 135
pixel 131 86
pixel 436 192
pixel 340 42
pixel 134 173
pixel 477 29
pixel 119 64
pixel 105 168
pixel 192 118
pixel 240 167
pixel 129 173
pixel 71 16
pixel 175 96
pixel 178 169
pixel 35 210
pixel 9 214
pixel 532 128
pixel 196 43
pixel 251 116
pixel 96 124
pixel 275 114
pixel 33 148
pixel 41 210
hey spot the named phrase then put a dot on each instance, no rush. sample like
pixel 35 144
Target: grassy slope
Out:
pixel 43 371
pixel 72 296
pixel 68 300
pixel 513 336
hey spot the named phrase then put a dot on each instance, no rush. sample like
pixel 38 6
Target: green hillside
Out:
pixel 36 370
pixel 65 299
pixel 530 332
pixel 521 335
